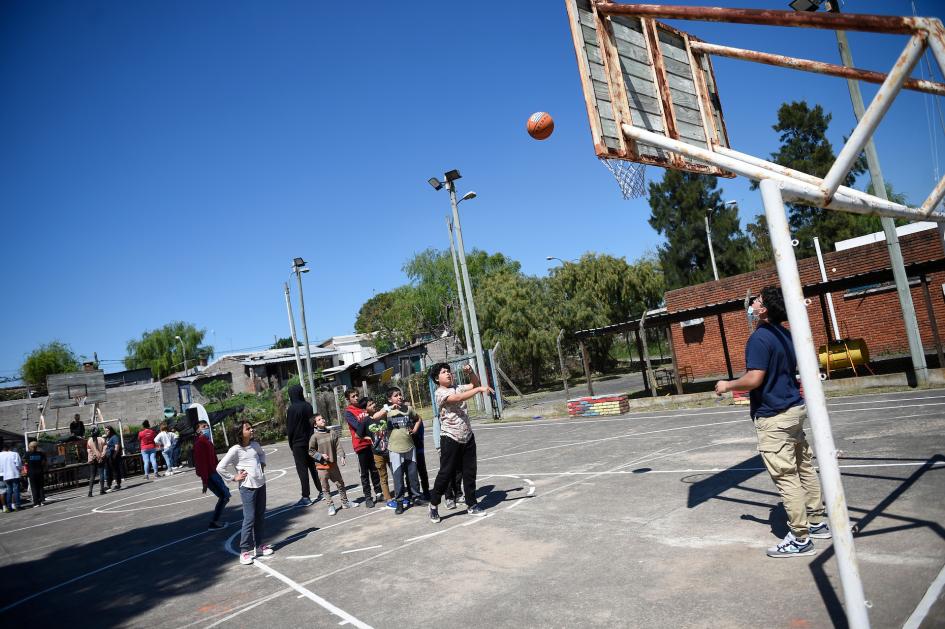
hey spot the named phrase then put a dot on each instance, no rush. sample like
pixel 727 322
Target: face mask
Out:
pixel 752 316
pixel 205 432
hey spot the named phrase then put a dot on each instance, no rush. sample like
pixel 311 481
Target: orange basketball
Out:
pixel 540 125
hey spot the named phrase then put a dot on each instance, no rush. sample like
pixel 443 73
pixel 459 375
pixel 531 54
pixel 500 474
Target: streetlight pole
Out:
pixel 298 266
pixel 708 237
pixel 295 343
pixel 184 351
pixel 459 289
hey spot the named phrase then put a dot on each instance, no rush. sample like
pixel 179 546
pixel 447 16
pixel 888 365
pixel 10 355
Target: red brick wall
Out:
pixel 875 317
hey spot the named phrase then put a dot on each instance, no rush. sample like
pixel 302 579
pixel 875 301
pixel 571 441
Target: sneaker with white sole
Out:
pixel 265 550
pixel 475 510
pixel 246 558
pixel 347 505
pixel 434 514
pixel 392 504
pixel 820 531
pixel 792 547
pixel 450 503
pixel 332 510
pixel 304 501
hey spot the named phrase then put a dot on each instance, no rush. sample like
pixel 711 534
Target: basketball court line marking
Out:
pixel 925 605
pixel 716 470
pixel 357 550
pixel 304 556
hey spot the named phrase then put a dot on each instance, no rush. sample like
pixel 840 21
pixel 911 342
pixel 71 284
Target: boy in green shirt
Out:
pixel 404 423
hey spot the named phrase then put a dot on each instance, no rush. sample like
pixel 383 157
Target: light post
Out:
pixel 459 289
pixel 298 267
pixel 184 351
pixel 450 177
pixel 295 342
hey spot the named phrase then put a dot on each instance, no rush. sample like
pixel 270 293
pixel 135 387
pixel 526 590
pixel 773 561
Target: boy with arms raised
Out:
pixel 457 442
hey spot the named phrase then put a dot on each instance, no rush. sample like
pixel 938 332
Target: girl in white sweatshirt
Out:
pixel 249 461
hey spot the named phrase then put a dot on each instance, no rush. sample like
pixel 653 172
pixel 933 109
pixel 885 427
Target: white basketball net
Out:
pixel 629 176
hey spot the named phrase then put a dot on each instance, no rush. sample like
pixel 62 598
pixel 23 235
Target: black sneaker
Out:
pixel 475 510
pixel 434 515
pixel 399 508
pixel 368 502
pixel 215 526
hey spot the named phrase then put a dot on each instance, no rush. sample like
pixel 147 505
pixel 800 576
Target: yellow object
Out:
pixel 842 353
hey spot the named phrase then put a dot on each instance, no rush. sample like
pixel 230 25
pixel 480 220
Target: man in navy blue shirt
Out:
pixel 778 412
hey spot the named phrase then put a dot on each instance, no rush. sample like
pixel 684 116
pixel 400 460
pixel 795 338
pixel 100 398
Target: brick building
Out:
pixel 864 297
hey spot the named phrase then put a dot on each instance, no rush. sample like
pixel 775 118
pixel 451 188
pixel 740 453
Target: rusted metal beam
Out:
pixel 808 65
pixel 832 21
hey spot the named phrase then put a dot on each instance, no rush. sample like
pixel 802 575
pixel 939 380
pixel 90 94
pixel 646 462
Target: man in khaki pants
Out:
pixel 778 411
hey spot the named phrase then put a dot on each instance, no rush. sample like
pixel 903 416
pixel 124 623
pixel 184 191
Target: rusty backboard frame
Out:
pixel 637 71
pixel 64 388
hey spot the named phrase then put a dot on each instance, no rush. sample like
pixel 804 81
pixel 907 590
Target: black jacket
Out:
pixel 298 418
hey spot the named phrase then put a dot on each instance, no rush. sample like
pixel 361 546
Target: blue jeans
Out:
pixel 216 485
pixel 168 458
pixel 175 454
pixel 149 456
pixel 436 432
pixel 13 492
pixel 254 516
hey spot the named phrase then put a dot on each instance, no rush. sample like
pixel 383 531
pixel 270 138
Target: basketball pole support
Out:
pixel 796 305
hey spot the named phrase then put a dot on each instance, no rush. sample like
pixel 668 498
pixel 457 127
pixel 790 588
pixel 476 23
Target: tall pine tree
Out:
pixel 679 204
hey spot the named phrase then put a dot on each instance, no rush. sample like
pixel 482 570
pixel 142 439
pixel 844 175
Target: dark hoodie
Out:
pixel 298 417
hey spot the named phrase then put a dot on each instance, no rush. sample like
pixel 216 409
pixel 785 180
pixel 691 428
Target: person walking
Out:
pixel 148 449
pixel 249 461
pixel 113 458
pixel 298 428
pixel 166 441
pixel 96 451
pixel 205 466
pixel 10 467
pixel 36 472
pixel 458 444
pixel 778 412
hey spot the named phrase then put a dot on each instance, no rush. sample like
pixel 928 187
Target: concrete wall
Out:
pixel 875 317
pixel 133 404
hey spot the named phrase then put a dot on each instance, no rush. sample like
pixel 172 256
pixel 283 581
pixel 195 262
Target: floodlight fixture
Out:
pixel 433 181
pixel 805 5
pixel 452 175
pixel 298 262
pixel 468 195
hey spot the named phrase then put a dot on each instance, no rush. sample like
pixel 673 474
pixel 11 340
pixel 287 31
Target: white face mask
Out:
pixel 752 315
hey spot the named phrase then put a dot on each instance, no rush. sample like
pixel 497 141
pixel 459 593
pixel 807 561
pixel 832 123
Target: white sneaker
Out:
pixel 246 558
pixel 264 550
pixel 792 547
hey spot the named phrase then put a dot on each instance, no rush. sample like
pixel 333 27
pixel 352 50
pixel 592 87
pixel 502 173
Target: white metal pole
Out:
pixel 295 343
pixel 708 237
pixel 470 302
pixel 823 277
pixel 459 290
pixel 308 347
pixel 796 306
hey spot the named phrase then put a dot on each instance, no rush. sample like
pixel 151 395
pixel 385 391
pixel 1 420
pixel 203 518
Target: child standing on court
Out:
pixel 205 465
pixel 403 422
pixel 167 441
pixel 249 461
pixel 323 447
pixel 377 430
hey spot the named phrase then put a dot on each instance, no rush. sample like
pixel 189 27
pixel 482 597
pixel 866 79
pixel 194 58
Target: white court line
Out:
pixel 721 469
pixel 345 616
pixel 357 550
pixel 922 609
pixel 304 556
pixel 102 569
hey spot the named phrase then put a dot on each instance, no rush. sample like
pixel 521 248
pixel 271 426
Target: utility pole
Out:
pixel 470 302
pixel 459 289
pixel 889 226
pixel 298 266
pixel 295 343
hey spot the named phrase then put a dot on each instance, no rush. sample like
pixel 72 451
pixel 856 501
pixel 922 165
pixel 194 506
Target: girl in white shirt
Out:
pixel 249 461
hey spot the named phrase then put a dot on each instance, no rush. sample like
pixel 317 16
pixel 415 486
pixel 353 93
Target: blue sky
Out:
pixel 167 160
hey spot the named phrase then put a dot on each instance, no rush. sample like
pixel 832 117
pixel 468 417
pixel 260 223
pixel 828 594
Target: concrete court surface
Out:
pixel 646 520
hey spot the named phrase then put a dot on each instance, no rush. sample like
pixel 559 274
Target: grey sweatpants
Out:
pixel 405 462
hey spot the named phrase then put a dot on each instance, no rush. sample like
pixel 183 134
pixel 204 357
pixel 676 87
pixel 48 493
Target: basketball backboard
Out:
pixel 71 389
pixel 641 72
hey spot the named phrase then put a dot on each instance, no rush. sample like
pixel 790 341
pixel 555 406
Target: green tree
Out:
pixel 162 352
pixel 51 358
pixel 393 315
pixel 679 204
pixel 283 343
pixel 217 391
pixel 804 147
pixel 515 311
pixel 601 290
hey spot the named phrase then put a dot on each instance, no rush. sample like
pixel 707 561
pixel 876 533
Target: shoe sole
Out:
pixel 806 553
pixel 821 536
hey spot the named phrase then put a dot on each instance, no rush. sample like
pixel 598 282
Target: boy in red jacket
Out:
pixel 358 420
pixel 205 464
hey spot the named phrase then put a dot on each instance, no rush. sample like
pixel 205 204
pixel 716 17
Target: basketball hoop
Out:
pixel 629 176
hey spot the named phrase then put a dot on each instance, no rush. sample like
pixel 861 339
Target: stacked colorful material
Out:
pixel 598 405
pixel 740 397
